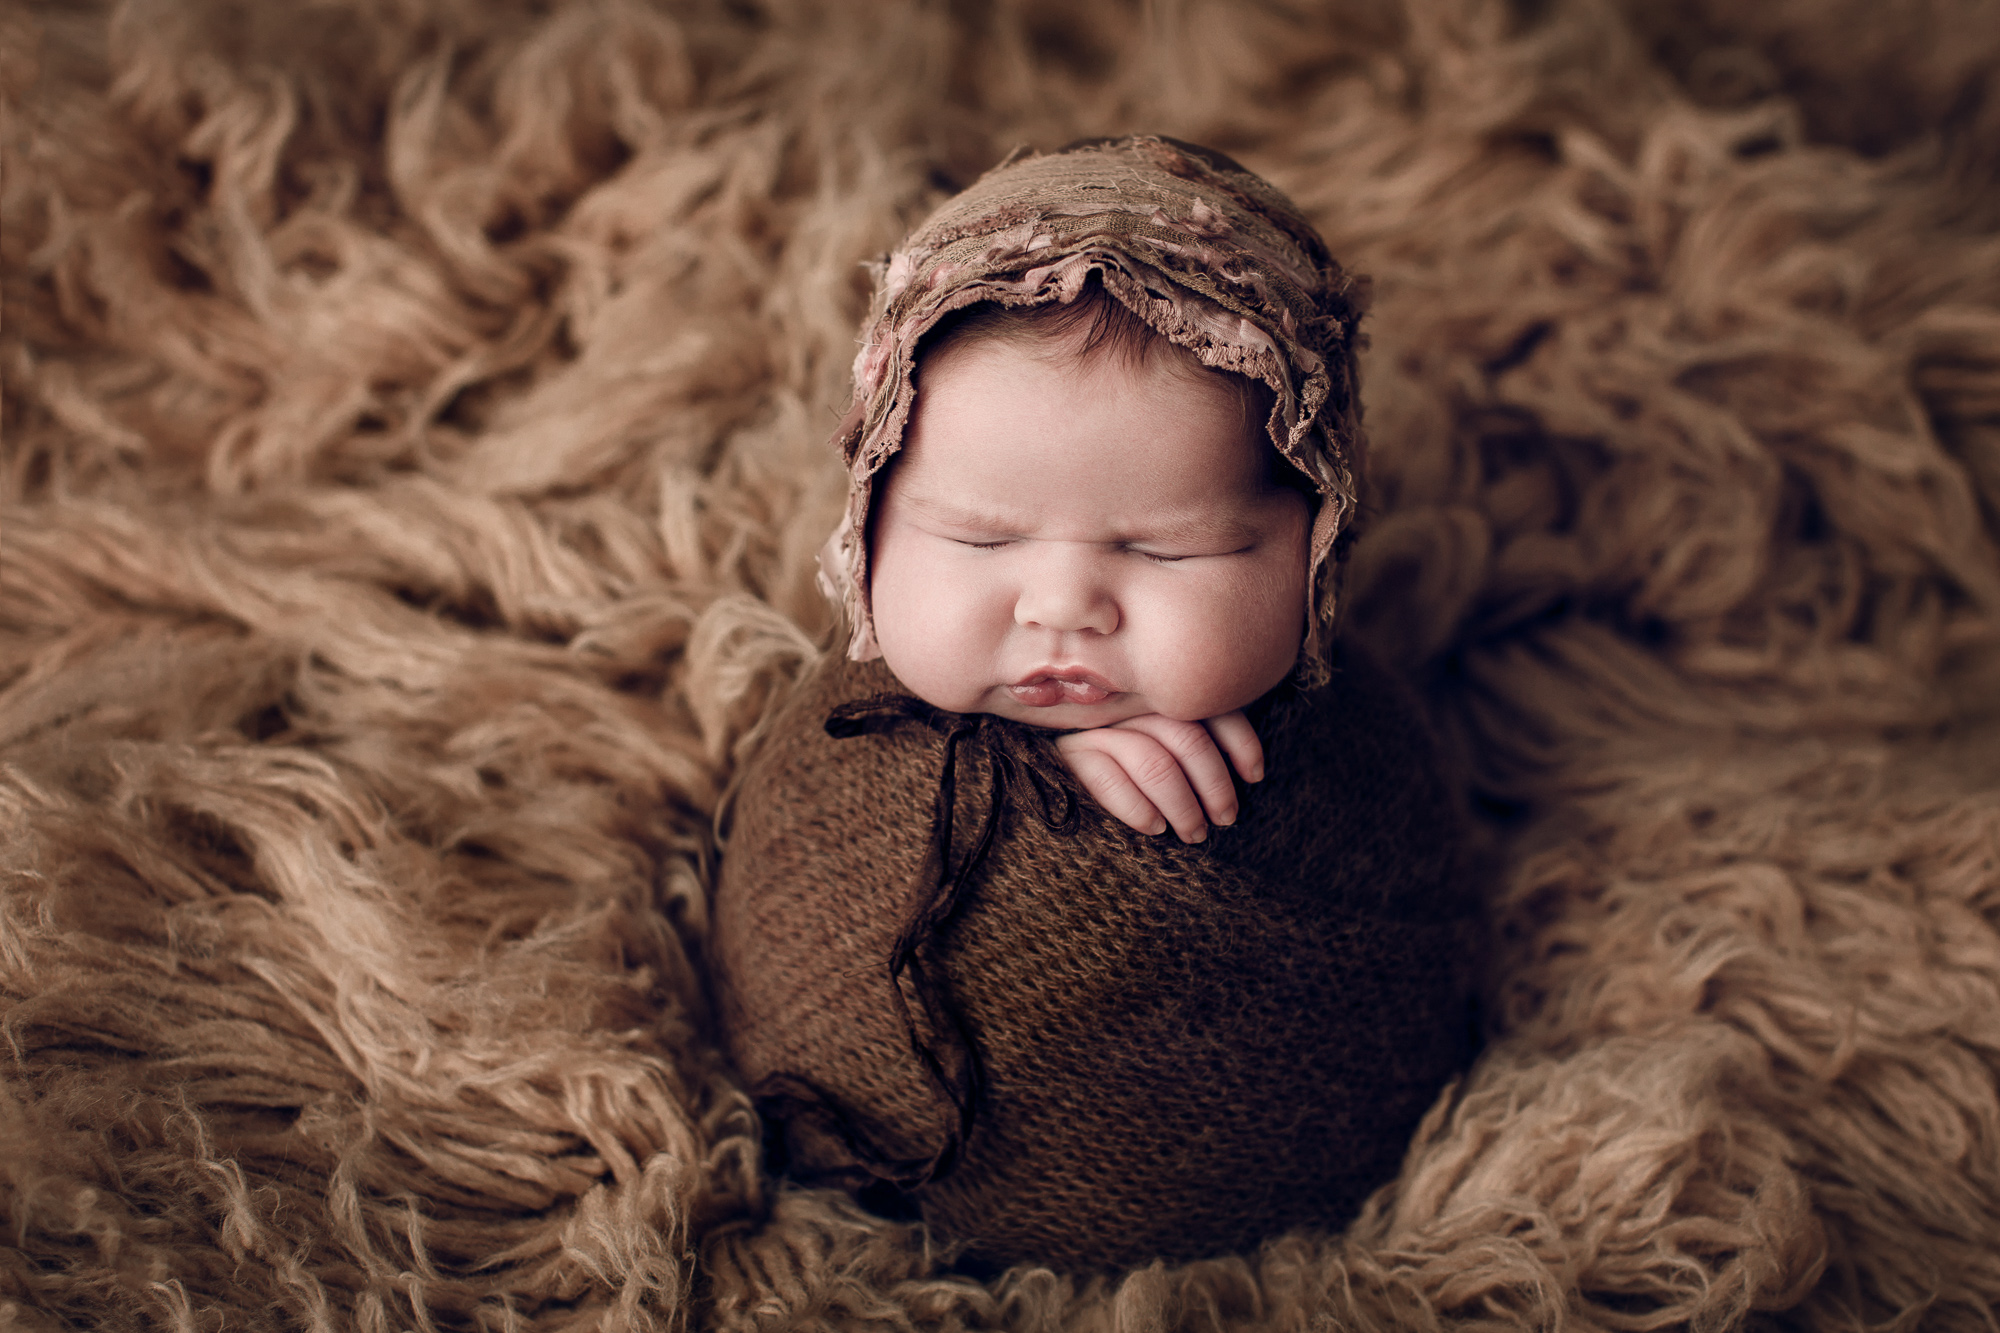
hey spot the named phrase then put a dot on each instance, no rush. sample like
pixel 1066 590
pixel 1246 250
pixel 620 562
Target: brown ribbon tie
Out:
pixel 1015 759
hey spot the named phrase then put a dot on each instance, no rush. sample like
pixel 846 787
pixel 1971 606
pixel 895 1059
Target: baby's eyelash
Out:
pixel 995 543
pixel 1187 555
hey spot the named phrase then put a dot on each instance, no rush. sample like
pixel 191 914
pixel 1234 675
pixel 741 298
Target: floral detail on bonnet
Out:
pixel 1210 256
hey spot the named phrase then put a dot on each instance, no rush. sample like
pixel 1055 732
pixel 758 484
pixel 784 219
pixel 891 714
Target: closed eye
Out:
pixel 1161 558
pixel 993 545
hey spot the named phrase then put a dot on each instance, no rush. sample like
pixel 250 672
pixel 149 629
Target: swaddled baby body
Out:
pixel 1087 571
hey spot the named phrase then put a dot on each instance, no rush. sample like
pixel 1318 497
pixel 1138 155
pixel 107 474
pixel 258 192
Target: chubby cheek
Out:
pixel 1210 654
pixel 931 621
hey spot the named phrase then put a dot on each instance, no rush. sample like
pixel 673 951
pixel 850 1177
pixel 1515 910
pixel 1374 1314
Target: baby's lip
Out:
pixel 1045 687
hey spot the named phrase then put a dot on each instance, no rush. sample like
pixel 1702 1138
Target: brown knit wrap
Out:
pixel 1068 1042
pixel 1209 255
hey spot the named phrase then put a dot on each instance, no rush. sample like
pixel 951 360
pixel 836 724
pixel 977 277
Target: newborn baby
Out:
pixel 1087 528
pixel 1102 458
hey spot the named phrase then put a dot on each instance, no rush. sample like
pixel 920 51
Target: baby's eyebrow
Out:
pixel 1193 529
pixel 956 515
pixel 1206 532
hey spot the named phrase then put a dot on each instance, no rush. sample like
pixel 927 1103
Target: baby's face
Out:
pixel 1070 545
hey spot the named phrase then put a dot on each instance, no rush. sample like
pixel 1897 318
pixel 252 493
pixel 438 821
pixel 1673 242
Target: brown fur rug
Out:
pixel 414 445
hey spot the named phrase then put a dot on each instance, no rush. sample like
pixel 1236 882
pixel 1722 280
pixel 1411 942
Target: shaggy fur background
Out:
pixel 414 446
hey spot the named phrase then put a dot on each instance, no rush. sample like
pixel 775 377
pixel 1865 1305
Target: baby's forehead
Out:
pixel 1000 420
pixel 1232 461
pixel 1003 505
pixel 1235 459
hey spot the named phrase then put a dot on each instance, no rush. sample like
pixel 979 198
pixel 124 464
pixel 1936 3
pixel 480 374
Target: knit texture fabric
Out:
pixel 1071 1043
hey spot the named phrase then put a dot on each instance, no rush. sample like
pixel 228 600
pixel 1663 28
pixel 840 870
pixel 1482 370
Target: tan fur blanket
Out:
pixel 414 447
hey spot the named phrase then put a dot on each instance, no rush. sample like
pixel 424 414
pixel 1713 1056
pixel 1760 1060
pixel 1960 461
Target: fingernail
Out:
pixel 1158 828
pixel 1201 835
pixel 1228 819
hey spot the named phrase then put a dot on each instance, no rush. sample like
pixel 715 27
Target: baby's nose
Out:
pixel 1064 593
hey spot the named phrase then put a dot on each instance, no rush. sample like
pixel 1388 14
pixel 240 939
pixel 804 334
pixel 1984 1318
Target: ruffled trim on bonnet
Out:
pixel 1210 256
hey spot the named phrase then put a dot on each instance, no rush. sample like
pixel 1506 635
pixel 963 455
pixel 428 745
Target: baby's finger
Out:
pixel 1157 772
pixel 1202 767
pixel 1238 739
pixel 1105 780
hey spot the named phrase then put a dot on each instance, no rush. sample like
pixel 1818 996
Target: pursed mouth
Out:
pixel 1066 685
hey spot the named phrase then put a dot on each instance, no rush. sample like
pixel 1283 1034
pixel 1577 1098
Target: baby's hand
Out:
pixel 1152 771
